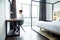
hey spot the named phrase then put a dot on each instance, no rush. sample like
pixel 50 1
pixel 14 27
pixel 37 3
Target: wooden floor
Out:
pixel 29 34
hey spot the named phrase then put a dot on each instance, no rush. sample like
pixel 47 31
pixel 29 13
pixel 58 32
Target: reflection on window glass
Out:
pixel 26 10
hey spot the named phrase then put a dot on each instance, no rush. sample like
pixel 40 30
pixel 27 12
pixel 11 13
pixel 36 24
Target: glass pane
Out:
pixel 35 3
pixel 35 9
pixel 26 10
pixel 56 13
pixel 48 12
pixel 26 1
pixel 34 21
pixel 27 22
pixel 18 7
pixel 35 13
pixel 36 0
pixel 52 1
pixel 18 1
pixel 57 7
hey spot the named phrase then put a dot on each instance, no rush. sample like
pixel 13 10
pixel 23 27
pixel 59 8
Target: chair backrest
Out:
pixel 20 22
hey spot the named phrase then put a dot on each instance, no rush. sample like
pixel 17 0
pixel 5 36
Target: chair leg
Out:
pixel 22 29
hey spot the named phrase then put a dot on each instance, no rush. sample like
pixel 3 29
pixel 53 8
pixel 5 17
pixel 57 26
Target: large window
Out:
pixel 25 5
pixel 26 13
pixel 26 1
pixel 48 11
pixel 57 7
pixel 26 10
pixel 35 13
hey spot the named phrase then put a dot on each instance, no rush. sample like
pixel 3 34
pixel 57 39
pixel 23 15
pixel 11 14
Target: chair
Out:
pixel 19 24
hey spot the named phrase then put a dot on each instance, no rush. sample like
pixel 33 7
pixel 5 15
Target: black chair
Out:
pixel 19 24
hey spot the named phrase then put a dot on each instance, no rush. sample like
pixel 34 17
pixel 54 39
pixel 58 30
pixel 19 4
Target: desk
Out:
pixel 6 21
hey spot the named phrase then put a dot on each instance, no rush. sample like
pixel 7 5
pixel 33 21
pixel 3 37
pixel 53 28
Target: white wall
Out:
pixel 3 11
pixel 2 20
pixel 7 9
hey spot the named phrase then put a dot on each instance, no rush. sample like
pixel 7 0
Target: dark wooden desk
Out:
pixel 6 21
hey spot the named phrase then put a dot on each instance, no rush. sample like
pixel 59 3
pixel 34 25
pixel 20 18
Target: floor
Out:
pixel 49 35
pixel 29 34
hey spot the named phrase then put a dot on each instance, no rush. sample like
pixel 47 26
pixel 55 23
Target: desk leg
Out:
pixel 19 30
pixel 6 27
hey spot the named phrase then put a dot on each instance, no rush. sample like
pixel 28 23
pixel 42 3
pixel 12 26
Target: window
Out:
pixel 35 13
pixel 26 10
pixel 26 13
pixel 48 11
pixel 25 6
pixel 26 1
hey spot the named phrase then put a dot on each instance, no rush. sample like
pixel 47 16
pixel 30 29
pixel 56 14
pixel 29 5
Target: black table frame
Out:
pixel 6 21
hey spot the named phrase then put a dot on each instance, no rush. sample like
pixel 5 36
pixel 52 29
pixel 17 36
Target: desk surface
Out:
pixel 13 20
